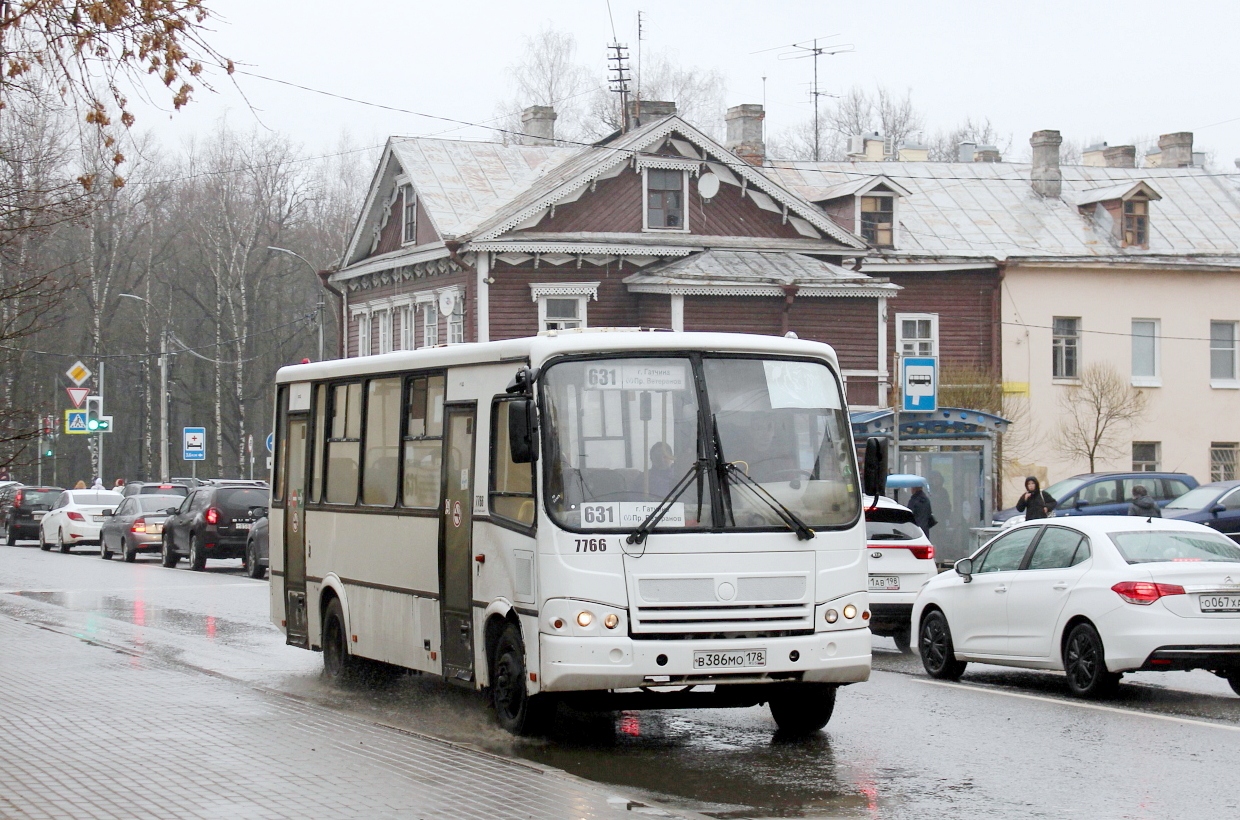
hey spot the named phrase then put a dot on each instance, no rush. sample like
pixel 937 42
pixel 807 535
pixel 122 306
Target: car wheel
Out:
pixel 168 556
pixel 938 654
pixel 1234 680
pixel 104 552
pixel 60 541
pixel 517 711
pixel 338 664
pixel 128 553
pixel 904 639
pixel 10 538
pixel 1085 662
pixel 43 545
pixel 197 557
pixel 803 708
pixel 252 567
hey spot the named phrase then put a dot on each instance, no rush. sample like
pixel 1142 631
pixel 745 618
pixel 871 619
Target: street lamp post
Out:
pixel 314 271
pixel 163 394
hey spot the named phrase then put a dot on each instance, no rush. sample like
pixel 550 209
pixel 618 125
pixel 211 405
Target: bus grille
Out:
pixel 726 618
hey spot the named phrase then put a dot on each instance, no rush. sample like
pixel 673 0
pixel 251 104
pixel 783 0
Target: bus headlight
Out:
pixel 611 621
pixel 585 618
pixel 831 616
pixel 850 611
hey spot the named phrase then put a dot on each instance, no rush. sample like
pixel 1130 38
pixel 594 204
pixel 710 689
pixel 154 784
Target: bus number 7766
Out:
pixel 591 545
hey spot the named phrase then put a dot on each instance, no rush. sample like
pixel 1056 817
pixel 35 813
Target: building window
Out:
pixel 363 333
pixel 408 339
pixel 1145 358
pixel 456 322
pixel 1136 223
pixel 411 215
pixel 878 220
pixel 1146 456
pixel 1222 352
pixel 917 334
pixel 385 331
pixel 1223 458
pixel 665 199
pixel 562 305
pixel 430 325
pixel 1066 347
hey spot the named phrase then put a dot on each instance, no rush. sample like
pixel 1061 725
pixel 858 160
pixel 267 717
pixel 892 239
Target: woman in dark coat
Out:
pixel 1036 502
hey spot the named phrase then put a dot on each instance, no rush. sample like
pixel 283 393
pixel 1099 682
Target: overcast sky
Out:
pixel 1110 70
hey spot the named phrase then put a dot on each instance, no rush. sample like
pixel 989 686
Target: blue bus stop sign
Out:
pixel 919 383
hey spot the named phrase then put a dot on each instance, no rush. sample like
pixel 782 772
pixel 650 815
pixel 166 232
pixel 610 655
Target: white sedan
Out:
pixel 1094 596
pixel 76 518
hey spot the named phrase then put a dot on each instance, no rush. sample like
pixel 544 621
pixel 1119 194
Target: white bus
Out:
pixel 616 518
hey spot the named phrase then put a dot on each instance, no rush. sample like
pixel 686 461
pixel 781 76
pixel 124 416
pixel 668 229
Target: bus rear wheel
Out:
pixel 338 664
pixel 803 708
pixel 516 709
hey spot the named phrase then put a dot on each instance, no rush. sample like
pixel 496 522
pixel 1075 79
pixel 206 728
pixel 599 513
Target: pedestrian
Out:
pixel 1142 504
pixel 98 485
pixel 1036 502
pixel 119 485
pixel 81 485
pixel 923 515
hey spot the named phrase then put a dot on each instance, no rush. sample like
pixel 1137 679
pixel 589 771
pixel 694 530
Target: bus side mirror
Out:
pixel 522 431
pixel 874 471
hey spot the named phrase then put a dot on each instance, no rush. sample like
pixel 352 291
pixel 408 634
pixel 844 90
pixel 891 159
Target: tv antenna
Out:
pixel 813 49
pixel 618 78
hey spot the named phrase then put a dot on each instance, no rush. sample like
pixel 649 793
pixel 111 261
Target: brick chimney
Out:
pixel 538 125
pixel 646 111
pixel 745 132
pixel 987 153
pixel 1120 156
pixel 1046 177
pixel 1177 149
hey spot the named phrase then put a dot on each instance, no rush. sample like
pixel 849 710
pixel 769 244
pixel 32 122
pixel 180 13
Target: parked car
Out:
pixel 256 548
pixel 1104 494
pixel 137 525
pixel 155 488
pixel 76 518
pixel 1216 505
pixel 901 560
pixel 213 522
pixel 1094 596
pixel 22 508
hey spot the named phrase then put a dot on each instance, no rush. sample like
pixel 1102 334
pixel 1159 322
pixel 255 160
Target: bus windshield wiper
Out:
pixel 728 468
pixel 639 535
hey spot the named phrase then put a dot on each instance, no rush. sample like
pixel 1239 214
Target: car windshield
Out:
pixel 1165 545
pixel 241 498
pixel 622 434
pixel 158 503
pixel 95 498
pixel 1062 488
pixel 1195 499
pixel 39 499
pixel 885 531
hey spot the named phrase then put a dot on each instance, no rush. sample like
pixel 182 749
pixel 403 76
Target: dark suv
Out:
pixel 213 522
pixel 22 508
pixel 1108 493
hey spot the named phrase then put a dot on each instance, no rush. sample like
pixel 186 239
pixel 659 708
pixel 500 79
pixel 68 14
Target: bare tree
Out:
pixel 854 113
pixel 945 146
pixel 547 74
pixel 699 95
pixel 1095 412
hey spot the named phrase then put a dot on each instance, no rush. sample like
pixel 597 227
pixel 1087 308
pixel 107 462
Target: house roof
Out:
pixel 989 209
pixel 1123 190
pixel 755 273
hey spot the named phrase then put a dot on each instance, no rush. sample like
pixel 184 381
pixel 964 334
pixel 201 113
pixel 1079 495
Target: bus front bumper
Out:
pixel 571 664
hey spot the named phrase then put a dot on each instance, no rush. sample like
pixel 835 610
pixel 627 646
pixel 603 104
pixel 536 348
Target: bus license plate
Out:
pixel 1219 603
pixel 728 659
pixel 885 582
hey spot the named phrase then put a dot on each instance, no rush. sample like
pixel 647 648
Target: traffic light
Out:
pixel 96 421
pixel 47 452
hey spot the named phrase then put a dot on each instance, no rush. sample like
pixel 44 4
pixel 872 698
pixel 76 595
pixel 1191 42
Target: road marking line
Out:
pixel 1094 706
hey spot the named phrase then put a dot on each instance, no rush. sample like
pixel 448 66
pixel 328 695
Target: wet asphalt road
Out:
pixel 1002 743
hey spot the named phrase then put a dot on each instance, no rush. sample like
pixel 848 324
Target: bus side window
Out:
pixel 343 443
pixel 281 444
pixel 423 439
pixel 512 484
pixel 382 442
pixel 320 444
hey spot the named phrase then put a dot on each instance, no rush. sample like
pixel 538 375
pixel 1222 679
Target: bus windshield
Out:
pixel 623 433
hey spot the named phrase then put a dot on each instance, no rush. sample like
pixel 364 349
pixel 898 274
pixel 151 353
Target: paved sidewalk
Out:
pixel 87 731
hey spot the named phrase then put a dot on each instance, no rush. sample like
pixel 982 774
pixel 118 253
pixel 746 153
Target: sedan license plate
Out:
pixel 1219 603
pixel 38 516
pixel 729 659
pixel 885 582
pixel 98 518
pixel 154 529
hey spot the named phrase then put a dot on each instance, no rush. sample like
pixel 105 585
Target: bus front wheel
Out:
pixel 803 708
pixel 516 709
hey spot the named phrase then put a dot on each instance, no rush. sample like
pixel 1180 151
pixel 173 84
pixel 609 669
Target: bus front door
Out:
pixel 456 546
pixel 295 535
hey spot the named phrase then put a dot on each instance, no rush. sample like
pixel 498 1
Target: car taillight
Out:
pixel 212 516
pixel 1145 593
pixel 922 552
pixel 138 526
pixel 75 516
pixel 17 499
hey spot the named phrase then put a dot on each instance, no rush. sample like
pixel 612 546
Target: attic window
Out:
pixel 665 199
pixel 410 228
pixel 1136 223
pixel 878 220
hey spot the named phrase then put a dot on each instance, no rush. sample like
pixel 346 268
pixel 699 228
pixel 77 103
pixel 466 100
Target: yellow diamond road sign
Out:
pixel 79 373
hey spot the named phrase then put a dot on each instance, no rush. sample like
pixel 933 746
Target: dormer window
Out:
pixel 410 227
pixel 878 220
pixel 1136 223
pixel 665 199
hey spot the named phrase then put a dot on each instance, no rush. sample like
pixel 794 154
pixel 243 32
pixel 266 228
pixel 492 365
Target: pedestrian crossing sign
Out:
pixel 75 423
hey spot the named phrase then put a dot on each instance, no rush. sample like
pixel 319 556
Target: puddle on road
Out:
pixel 140 613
